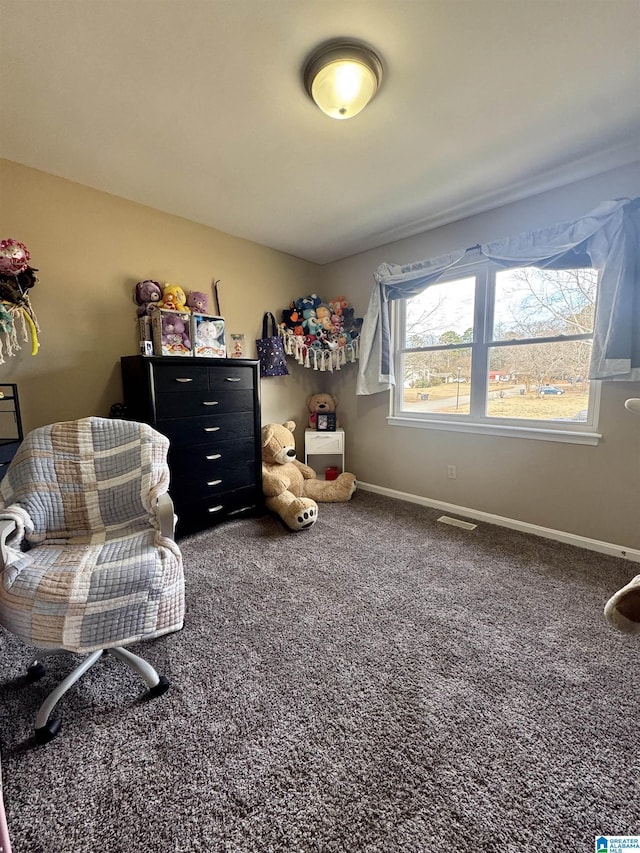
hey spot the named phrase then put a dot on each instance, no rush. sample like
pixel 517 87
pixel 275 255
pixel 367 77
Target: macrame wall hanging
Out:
pixel 321 335
pixel 18 322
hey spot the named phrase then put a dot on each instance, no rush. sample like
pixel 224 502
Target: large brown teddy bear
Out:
pixel 292 488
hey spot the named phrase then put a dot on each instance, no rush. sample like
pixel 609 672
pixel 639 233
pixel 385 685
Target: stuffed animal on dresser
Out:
pixel 147 294
pixel 173 298
pixel 198 302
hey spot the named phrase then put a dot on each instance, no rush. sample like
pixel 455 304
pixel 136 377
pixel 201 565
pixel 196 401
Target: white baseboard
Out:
pixel 632 554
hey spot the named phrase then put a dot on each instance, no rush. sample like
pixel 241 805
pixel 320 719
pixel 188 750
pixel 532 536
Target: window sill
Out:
pixel 502 430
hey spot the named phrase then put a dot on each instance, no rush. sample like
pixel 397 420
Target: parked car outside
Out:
pixel 550 389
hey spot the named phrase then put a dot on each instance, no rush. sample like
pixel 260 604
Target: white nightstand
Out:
pixel 323 449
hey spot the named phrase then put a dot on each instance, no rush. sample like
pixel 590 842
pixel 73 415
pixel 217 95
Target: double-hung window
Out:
pixel 505 351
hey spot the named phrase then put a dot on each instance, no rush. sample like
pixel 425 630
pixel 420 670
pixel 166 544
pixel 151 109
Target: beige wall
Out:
pixel 584 490
pixel 90 249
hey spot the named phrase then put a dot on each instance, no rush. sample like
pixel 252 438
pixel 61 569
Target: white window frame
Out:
pixel 477 422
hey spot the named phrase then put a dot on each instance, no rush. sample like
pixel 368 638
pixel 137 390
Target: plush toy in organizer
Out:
pixel 209 337
pixel 198 302
pixel 323 315
pixel 313 326
pixel 304 303
pixel 291 489
pixel 292 320
pixel 320 403
pixel 175 336
pixel 287 321
pixel 148 294
pixel 338 305
pixel 351 323
pixel 173 298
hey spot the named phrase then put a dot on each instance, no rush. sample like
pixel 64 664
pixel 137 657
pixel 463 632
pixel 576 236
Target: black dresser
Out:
pixel 209 409
pixel 10 425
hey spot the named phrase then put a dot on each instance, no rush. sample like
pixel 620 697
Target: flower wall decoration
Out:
pixel 17 318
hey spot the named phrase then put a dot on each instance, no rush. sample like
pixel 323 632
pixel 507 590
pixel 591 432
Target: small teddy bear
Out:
pixel 173 298
pixel 320 403
pixel 198 302
pixel 147 294
pixel 291 488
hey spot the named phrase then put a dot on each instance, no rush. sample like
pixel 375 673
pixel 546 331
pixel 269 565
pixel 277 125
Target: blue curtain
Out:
pixel 607 239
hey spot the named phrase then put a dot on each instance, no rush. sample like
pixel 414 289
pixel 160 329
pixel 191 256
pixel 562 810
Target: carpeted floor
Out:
pixel 379 683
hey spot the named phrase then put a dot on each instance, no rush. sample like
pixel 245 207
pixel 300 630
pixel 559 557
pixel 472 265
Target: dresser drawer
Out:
pixel 234 377
pixel 215 480
pixel 194 515
pixel 192 405
pixel 210 429
pixel 179 379
pixel 190 461
pixel 8 450
pixel 323 442
pixel 175 377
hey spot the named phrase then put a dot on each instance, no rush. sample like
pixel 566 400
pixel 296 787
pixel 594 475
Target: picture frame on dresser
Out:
pixel 209 409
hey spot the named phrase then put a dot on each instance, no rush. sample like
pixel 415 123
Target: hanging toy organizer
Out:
pixel 319 358
pixel 321 335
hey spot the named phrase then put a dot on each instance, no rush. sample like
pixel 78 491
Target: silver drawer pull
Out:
pixel 211 429
pixel 214 456
pixel 184 379
pixel 233 378
pixel 214 482
pixel 215 508
pixel 210 402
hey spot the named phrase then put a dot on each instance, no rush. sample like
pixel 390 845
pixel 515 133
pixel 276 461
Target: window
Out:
pixel 490 349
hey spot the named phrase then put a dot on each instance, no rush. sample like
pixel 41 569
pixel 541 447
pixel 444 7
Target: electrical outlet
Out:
pixel 451 472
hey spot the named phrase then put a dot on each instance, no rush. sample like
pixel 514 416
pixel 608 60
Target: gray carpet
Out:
pixel 381 682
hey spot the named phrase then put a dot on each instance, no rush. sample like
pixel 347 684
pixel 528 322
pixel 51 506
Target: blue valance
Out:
pixel 607 239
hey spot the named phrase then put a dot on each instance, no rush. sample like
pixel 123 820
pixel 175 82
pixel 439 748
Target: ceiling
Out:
pixel 197 108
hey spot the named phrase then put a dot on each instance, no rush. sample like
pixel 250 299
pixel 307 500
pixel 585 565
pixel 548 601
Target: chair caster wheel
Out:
pixel 161 687
pixel 35 673
pixel 47 732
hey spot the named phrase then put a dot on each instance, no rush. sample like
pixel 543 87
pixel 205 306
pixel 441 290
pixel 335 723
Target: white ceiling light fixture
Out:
pixel 342 76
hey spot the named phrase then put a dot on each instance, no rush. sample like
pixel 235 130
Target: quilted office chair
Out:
pixel 88 563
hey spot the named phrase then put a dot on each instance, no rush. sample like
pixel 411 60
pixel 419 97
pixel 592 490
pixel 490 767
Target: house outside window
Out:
pixel 506 351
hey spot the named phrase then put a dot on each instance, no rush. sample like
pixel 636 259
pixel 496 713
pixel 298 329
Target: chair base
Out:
pixel 45 728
